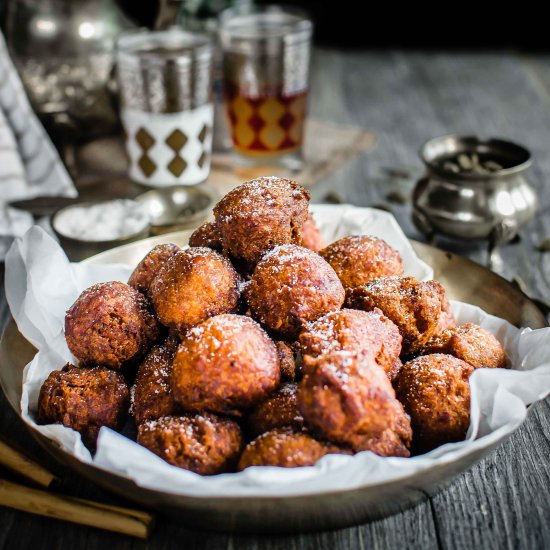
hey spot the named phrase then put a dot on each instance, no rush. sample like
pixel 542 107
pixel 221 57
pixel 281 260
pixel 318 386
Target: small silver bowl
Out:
pixel 169 209
pixel 80 249
pixel 472 204
pixel 178 207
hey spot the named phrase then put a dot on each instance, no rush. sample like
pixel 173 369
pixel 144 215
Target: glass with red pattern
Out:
pixel 266 68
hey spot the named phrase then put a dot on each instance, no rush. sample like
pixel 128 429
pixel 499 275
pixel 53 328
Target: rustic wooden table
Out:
pixel 503 502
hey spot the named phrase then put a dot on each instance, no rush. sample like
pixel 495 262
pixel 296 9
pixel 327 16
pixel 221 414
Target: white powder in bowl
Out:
pixel 103 221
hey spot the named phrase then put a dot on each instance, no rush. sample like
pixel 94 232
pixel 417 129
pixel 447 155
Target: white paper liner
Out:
pixel 41 284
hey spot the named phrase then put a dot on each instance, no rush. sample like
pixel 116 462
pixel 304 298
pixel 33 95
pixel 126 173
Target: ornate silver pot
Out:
pixel 473 204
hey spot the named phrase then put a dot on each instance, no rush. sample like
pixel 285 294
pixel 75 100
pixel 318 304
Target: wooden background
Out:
pixel 406 98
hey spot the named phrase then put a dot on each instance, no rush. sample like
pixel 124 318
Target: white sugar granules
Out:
pixel 103 221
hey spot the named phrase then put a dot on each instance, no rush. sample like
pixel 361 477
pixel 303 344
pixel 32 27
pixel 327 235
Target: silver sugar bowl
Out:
pixel 473 189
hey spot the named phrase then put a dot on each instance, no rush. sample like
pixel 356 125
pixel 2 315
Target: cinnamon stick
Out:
pixel 17 462
pixel 84 512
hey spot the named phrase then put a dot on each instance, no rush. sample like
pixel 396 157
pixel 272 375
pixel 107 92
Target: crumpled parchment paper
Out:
pixel 41 284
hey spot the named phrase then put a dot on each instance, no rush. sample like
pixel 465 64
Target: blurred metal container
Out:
pixel 472 205
pixel 64 51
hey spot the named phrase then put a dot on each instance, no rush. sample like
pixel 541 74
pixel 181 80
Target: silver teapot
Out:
pixel 474 204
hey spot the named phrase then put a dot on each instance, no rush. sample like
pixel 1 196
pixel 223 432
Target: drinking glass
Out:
pixel 266 55
pixel 166 105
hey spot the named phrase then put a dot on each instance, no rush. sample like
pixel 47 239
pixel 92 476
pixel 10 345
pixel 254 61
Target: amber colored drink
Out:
pixel 266 54
pixel 265 124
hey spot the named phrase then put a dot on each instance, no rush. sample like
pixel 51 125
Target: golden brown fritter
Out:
pixel 151 392
pixel 287 362
pixel 435 392
pixel 84 399
pixel 193 285
pixel 354 331
pixel 225 365
pixel 311 235
pixel 110 324
pixel 388 443
pixel 279 410
pixel 287 449
pixel 358 259
pixel 147 269
pixel 414 306
pixel 290 286
pixel 206 444
pixel 259 215
pixel 348 399
pixel 206 235
pixel 447 319
pixel 472 344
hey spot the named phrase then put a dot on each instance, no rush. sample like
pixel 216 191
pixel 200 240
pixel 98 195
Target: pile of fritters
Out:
pixel 260 346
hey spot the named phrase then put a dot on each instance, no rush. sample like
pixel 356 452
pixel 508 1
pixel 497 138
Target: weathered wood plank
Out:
pixel 409 98
pixel 406 530
pixel 503 502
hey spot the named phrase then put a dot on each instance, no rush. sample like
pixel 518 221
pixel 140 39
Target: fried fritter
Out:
pixel 259 215
pixel 292 285
pixel 110 324
pixel 193 285
pixel 84 399
pixel 287 449
pixel 347 398
pixel 287 361
pixel 435 392
pixel 151 392
pixel 206 444
pixel 206 235
pixel 414 306
pixel 472 344
pixel 311 235
pixel 354 331
pixel 279 410
pixel 447 319
pixel 388 443
pixel 147 269
pixel 225 365
pixel 358 259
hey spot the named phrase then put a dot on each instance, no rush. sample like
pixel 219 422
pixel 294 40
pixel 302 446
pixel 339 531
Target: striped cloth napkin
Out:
pixel 29 163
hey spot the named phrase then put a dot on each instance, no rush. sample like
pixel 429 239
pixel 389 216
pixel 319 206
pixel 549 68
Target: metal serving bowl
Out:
pixel 467 205
pixel 463 279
